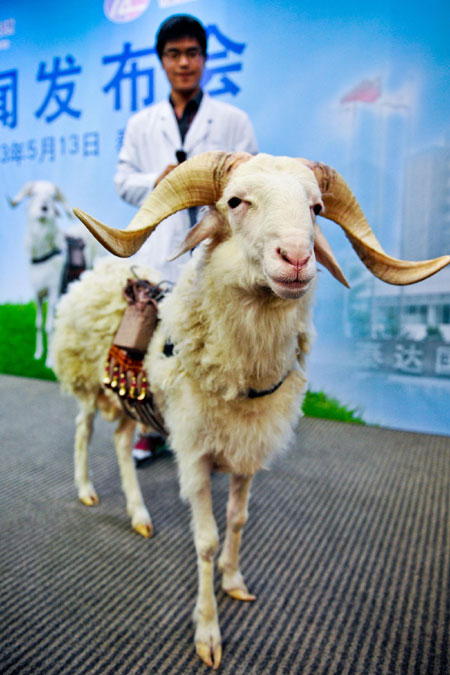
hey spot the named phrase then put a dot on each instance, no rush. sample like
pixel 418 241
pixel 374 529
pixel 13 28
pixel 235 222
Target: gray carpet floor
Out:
pixel 346 548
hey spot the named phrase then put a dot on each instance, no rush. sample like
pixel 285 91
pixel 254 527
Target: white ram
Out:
pixel 46 244
pixel 239 322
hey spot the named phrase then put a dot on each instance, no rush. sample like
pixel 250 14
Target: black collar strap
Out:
pixel 47 256
pixel 250 393
pixel 254 393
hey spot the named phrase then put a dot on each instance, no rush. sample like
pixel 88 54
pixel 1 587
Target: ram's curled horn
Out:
pixel 197 182
pixel 342 207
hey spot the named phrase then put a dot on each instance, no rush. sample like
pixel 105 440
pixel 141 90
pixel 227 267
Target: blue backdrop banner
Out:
pixel 363 87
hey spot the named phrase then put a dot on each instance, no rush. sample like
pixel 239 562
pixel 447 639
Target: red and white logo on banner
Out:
pixel 121 11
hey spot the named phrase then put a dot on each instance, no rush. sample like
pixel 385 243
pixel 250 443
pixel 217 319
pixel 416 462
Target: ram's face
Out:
pixel 42 203
pixel 271 209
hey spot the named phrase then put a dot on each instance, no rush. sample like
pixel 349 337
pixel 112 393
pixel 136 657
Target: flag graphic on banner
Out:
pixel 367 91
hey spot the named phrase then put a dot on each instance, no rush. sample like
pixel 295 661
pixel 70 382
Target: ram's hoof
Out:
pixel 144 529
pixel 212 656
pixel 89 500
pixel 240 594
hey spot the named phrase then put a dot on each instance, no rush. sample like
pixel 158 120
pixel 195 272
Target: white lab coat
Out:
pixel 151 139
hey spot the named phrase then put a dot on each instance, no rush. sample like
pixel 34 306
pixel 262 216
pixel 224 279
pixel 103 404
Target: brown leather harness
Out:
pixel 124 371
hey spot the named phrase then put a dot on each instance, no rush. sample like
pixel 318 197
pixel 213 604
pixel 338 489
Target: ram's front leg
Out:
pixel 196 487
pixel 39 327
pixel 237 514
pixel 123 439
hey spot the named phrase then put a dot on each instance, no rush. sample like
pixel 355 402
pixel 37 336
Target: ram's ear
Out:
pixel 208 228
pixel 325 256
pixel 59 196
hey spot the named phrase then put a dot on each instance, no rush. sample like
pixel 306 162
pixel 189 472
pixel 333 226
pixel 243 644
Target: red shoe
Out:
pixel 147 446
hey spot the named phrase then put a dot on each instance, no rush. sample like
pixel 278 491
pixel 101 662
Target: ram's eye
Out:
pixel 317 208
pixel 233 202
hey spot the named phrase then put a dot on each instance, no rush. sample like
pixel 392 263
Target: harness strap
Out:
pixel 47 256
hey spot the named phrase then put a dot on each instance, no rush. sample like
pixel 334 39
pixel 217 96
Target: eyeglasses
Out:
pixel 192 54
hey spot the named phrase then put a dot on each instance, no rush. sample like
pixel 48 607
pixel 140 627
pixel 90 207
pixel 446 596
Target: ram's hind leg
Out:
pixel 123 439
pixel 83 433
pixel 237 514
pixel 52 301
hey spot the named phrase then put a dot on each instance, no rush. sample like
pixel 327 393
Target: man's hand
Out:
pixel 167 170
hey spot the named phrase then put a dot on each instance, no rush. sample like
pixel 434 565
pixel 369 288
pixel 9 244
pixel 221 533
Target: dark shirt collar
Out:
pixel 189 112
pixel 191 106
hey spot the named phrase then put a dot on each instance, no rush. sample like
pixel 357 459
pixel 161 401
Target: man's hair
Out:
pixel 179 26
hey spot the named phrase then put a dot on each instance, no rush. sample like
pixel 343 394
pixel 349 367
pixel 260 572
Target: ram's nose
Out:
pixel 294 256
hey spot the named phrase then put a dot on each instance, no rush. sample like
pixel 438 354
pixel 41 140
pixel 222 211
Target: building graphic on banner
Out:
pixel 407 329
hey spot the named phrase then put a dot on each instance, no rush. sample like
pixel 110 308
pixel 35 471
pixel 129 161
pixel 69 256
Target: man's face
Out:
pixel 183 63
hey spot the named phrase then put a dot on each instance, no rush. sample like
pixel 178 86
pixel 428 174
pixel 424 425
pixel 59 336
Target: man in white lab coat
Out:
pixel 162 135
pixel 188 123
